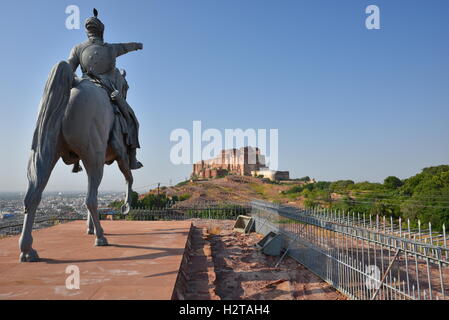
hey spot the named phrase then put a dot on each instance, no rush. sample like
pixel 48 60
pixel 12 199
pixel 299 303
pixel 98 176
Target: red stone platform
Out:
pixel 141 262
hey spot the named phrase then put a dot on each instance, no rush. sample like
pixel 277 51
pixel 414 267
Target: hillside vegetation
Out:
pixel 424 196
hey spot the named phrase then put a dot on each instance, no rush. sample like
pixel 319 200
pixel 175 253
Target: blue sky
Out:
pixel 349 103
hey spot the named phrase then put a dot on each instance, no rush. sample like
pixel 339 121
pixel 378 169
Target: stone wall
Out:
pixel 272 174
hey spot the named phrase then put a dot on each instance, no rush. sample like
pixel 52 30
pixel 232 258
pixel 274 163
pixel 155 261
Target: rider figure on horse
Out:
pixel 97 60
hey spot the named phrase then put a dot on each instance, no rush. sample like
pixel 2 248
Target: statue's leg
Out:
pixel 124 168
pixel 95 174
pixel 134 140
pixel 130 129
pixel 38 176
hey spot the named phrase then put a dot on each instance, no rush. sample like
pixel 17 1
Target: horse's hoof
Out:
pixel 101 242
pixel 30 256
pixel 90 231
pixel 125 208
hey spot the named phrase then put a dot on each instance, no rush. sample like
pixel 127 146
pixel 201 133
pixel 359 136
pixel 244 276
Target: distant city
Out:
pixel 11 203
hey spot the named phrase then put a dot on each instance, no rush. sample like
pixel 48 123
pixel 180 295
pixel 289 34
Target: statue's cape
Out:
pixel 52 107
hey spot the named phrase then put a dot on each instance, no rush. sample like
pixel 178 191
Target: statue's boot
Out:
pixel 77 167
pixel 134 164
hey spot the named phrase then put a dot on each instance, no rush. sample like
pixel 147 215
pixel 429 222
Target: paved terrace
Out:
pixel 141 261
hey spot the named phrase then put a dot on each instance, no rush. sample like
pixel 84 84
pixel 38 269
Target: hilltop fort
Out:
pixel 246 161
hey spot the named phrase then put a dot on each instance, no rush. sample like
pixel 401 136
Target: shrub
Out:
pixel 392 182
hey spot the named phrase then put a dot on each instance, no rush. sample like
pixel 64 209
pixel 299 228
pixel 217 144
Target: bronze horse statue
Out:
pixel 76 123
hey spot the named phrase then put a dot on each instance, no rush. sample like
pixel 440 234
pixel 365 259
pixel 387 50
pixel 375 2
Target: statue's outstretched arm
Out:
pixel 122 48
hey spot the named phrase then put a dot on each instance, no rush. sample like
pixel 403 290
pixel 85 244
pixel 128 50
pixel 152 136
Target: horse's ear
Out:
pixel 95 13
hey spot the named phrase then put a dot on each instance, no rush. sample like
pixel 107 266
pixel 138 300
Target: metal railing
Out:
pixel 363 257
pixel 180 213
pixel 217 211
pixel 14 226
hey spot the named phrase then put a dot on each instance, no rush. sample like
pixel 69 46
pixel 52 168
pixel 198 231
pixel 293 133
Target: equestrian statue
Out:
pixel 83 119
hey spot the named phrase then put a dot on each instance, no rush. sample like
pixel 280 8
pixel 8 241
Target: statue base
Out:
pixel 142 261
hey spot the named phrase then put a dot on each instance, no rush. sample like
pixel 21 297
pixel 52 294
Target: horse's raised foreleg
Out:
pixel 38 174
pixel 95 174
pixel 124 168
pixel 90 223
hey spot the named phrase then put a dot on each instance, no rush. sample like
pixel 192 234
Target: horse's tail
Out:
pixel 48 127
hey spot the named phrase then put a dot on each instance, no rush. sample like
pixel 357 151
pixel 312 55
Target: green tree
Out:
pixel 392 182
pixel 151 201
pixel 134 199
pixel 341 185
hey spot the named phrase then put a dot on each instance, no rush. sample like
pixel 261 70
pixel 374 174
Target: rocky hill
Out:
pixel 232 188
pixel 421 197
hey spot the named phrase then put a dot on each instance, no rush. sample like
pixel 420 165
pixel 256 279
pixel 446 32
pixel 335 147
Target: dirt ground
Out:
pixel 227 265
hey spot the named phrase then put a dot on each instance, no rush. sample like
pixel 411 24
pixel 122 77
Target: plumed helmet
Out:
pixel 94 26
